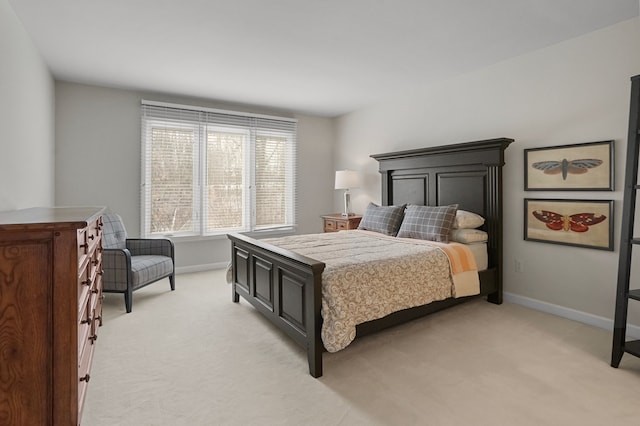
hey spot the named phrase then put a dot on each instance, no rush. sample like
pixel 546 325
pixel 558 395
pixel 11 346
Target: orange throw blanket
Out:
pixel 464 271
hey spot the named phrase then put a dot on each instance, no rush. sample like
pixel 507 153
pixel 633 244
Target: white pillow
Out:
pixel 467 220
pixel 468 236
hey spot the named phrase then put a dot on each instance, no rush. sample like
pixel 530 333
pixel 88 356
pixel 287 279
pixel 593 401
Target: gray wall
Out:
pixel 98 162
pixel 573 92
pixel 26 119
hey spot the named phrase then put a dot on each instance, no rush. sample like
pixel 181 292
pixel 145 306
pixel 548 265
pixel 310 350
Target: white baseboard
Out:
pixel 633 331
pixel 201 268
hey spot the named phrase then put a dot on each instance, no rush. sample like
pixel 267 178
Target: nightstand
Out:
pixel 338 222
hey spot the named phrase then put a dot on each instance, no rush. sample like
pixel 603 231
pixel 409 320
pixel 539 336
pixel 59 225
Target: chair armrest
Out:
pixel 116 264
pixel 116 258
pixel 150 246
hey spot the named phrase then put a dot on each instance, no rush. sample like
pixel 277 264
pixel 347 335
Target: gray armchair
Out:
pixel 132 263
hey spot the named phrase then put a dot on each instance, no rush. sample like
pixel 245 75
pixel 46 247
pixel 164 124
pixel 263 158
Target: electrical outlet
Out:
pixel 519 264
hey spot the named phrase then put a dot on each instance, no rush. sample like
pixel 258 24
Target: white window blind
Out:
pixel 208 172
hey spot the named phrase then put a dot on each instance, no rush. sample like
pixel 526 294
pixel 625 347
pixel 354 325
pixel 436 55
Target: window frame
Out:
pixel 199 187
pixel 290 200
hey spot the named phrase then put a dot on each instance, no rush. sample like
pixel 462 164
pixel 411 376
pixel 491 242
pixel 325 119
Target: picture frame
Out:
pixel 577 167
pixel 579 223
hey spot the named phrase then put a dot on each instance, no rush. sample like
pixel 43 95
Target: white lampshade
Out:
pixel 346 179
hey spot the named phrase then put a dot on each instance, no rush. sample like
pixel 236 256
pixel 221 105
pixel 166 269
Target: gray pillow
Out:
pixel 383 219
pixel 432 223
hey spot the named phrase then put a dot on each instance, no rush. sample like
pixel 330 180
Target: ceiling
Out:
pixel 320 57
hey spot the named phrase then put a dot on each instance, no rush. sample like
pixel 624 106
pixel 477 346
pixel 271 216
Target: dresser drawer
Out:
pixel 87 332
pixel 97 313
pixel 88 275
pixel 94 266
pixel 89 240
pixel 84 367
pixel 85 320
pixel 83 246
pixel 330 225
pixel 84 285
pixel 87 325
pixel 93 234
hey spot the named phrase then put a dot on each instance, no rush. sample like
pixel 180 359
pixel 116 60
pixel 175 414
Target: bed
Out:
pixel 286 287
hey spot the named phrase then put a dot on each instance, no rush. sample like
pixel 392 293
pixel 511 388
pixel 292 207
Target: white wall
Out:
pixel 573 92
pixel 98 162
pixel 26 119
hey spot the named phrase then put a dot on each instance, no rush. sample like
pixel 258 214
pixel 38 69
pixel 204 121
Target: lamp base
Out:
pixel 347 202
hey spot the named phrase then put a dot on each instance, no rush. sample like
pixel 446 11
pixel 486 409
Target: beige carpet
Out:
pixel 192 357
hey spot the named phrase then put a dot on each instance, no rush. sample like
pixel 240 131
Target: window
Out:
pixel 208 172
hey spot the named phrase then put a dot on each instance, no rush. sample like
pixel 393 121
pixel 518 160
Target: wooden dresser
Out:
pixel 50 311
pixel 337 222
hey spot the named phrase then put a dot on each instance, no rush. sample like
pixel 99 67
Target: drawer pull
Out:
pixel 99 319
pixel 95 262
pixel 94 291
pixel 101 272
pixel 91 237
pixel 87 321
pixel 93 338
pixel 85 378
pixel 87 282
pixel 84 246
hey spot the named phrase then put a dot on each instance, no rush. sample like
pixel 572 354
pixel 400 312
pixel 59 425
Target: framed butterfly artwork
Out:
pixel 580 223
pixel 577 167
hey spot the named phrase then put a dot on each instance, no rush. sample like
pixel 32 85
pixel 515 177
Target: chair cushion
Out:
pixel 114 234
pixel 146 269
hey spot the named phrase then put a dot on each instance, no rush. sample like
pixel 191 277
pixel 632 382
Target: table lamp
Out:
pixel 347 179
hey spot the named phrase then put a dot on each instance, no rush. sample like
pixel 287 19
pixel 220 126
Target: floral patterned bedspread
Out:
pixel 370 275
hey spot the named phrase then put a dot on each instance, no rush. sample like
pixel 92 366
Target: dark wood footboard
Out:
pixel 285 287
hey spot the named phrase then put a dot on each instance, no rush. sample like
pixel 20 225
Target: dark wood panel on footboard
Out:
pixel 287 287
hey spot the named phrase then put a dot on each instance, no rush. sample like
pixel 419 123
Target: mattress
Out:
pixel 479 251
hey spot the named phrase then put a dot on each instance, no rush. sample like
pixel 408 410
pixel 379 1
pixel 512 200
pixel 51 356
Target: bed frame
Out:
pixel 286 287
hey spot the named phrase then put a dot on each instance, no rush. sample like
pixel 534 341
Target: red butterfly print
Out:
pixel 579 222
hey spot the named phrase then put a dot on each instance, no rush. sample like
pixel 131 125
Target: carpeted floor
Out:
pixel 192 357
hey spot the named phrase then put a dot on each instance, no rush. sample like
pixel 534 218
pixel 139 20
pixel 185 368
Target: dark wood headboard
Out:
pixel 468 174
